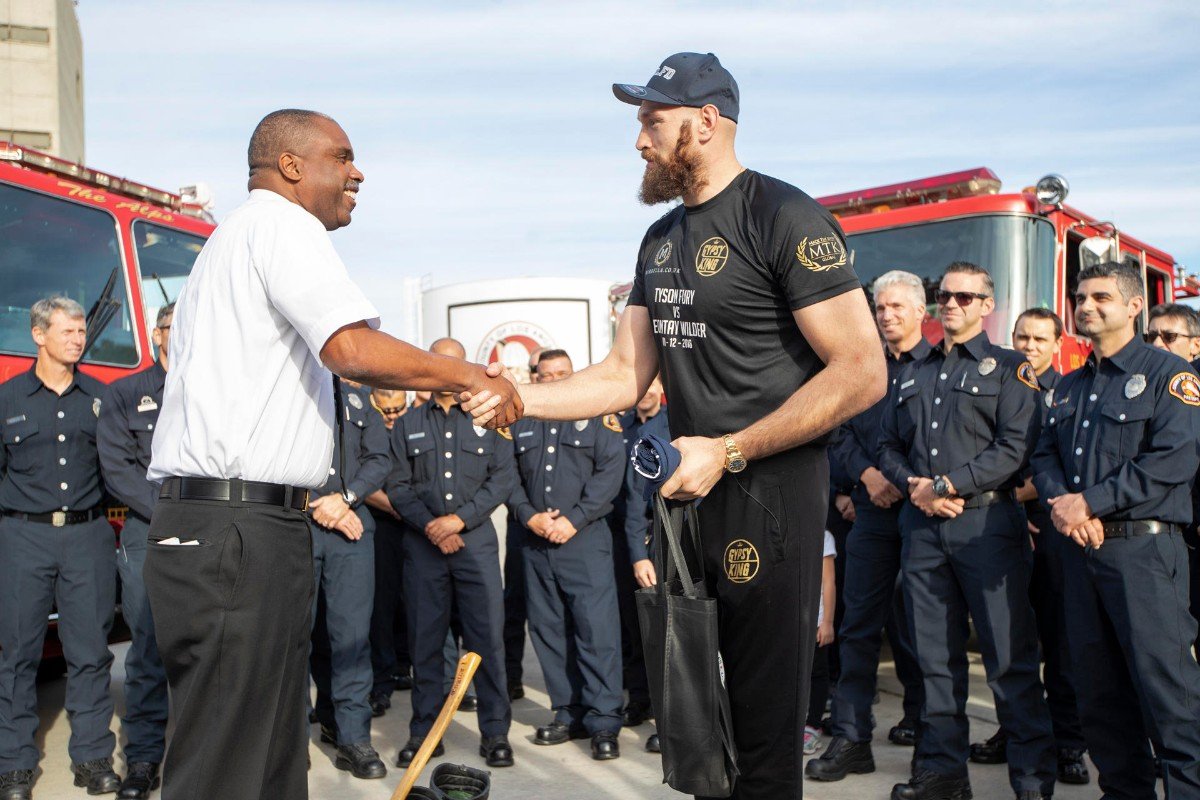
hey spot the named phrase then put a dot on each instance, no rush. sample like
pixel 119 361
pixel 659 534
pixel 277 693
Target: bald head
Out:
pixel 448 347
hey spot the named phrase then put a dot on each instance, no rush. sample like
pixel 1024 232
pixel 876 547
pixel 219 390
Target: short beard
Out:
pixel 681 175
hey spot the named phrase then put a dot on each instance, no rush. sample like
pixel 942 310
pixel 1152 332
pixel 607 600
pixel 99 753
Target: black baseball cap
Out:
pixel 686 79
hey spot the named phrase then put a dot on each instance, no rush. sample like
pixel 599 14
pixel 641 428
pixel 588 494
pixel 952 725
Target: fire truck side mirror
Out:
pixel 1098 249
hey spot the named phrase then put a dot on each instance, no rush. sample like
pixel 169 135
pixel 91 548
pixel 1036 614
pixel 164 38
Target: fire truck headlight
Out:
pixel 1052 190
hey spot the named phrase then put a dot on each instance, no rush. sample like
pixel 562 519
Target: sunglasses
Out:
pixel 393 410
pixel 1168 337
pixel 963 299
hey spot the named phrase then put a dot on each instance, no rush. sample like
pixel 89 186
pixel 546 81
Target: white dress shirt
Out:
pixel 246 394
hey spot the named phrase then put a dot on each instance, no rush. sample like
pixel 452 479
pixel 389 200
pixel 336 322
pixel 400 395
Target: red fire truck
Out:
pixel 119 248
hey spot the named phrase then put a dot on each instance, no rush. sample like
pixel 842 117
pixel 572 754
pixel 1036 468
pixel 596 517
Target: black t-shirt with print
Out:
pixel 720 281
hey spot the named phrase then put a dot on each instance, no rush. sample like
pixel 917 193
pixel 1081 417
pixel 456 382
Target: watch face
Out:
pixel 737 465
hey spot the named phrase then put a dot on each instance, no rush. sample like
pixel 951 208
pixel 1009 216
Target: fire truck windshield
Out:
pixel 1018 251
pixel 165 257
pixel 53 246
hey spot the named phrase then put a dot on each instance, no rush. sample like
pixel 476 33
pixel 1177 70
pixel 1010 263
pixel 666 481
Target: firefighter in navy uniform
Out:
pixel 447 478
pixel 1115 462
pixel 956 436
pixel 344 574
pixel 570 472
pixel 128 417
pixel 56 550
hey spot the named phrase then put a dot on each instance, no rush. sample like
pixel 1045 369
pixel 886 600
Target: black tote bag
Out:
pixel 678 622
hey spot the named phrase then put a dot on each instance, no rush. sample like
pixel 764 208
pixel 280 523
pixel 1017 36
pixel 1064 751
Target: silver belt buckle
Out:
pixel 58 519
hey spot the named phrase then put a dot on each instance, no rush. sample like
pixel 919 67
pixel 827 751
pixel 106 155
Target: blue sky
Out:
pixel 493 147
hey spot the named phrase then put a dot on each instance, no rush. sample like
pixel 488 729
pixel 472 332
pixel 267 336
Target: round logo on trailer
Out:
pixel 741 561
pixel 511 344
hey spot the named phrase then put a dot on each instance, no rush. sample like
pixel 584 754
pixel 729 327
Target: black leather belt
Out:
pixel 1138 527
pixel 987 499
pixel 234 491
pixel 60 518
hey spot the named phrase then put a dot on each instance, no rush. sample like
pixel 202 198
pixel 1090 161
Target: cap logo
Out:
pixel 638 90
pixel 665 72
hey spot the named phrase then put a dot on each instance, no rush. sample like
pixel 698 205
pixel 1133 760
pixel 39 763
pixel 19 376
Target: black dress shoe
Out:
pixel 605 746
pixel 379 703
pixel 497 751
pixel 329 734
pixel 993 751
pixel 515 691
pixel 409 751
pixel 652 744
pixel 97 775
pixel 361 761
pixel 141 780
pixel 903 734
pixel 558 732
pixel 635 714
pixel 16 785
pixel 1071 767
pixel 403 682
pixel 469 703
pixel 841 757
pixel 933 786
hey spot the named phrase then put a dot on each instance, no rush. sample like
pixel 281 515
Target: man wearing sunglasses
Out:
pixel 957 435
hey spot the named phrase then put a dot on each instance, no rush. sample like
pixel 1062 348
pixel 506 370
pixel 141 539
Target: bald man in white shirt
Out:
pixel 247 420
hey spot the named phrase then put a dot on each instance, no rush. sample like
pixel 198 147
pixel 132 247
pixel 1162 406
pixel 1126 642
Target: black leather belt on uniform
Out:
pixel 235 491
pixel 987 499
pixel 59 518
pixel 1138 527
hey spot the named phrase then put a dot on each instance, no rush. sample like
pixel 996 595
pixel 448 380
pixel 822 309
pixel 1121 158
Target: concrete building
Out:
pixel 41 76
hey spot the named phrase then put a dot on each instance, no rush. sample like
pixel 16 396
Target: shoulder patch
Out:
pixel 1186 387
pixel 1026 375
pixel 612 423
pixel 821 254
pixel 505 432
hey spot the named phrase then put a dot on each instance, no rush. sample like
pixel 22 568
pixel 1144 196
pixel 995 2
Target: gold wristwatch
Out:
pixel 734 460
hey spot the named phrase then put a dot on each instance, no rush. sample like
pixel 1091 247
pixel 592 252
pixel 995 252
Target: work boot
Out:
pixel 605 746
pixel 141 780
pixel 460 782
pixel 993 751
pixel 496 750
pixel 1071 767
pixel 409 751
pixel 16 785
pixel 360 760
pixel 904 734
pixel 97 775
pixel 928 785
pixel 841 758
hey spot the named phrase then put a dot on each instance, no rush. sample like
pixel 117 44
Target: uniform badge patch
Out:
pixel 417 435
pixel 987 366
pixel 1135 386
pixel 1050 399
pixel 663 254
pixel 480 432
pixel 96 406
pixel 581 424
pixel 1026 375
pixel 15 420
pixel 146 404
pixel 741 561
pixel 505 432
pixel 821 254
pixel 711 257
pixel 612 423
pixel 354 400
pixel 1186 387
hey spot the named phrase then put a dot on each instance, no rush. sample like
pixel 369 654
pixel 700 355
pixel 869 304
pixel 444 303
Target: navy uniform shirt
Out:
pixel 368 452
pixel 857 447
pixel 575 467
pixel 636 512
pixel 48 458
pixel 970 414
pixel 128 417
pixel 1036 510
pixel 1124 433
pixel 444 464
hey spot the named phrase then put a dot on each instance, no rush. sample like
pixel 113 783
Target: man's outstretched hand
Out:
pixel 495 402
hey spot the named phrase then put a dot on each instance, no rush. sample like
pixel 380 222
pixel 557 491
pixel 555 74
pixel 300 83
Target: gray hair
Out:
pixel 164 314
pixel 39 315
pixel 899 279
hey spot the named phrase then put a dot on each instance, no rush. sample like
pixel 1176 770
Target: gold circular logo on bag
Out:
pixel 711 256
pixel 741 561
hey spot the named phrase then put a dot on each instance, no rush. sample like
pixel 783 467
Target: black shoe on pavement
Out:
pixel 558 732
pixel 1071 767
pixel 605 746
pixel 16 785
pixel 141 780
pixel 993 751
pixel 515 691
pixel 409 751
pixel 97 775
pixel 841 757
pixel 379 703
pixel 635 714
pixel 903 734
pixel 361 761
pixel 469 703
pixel 329 734
pixel 403 681
pixel 652 744
pixel 928 785
pixel 496 750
